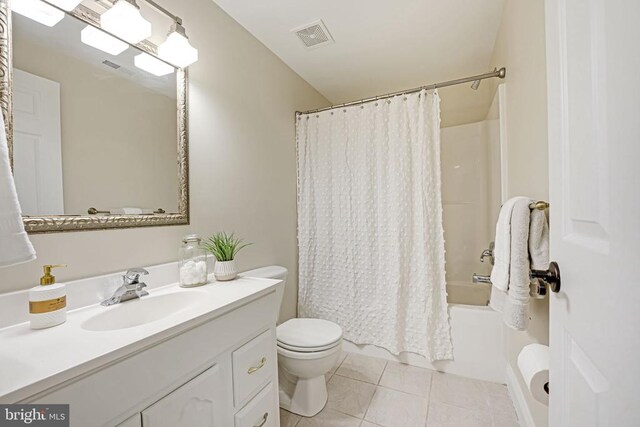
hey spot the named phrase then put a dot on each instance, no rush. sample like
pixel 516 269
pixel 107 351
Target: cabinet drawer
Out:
pixel 253 366
pixel 261 411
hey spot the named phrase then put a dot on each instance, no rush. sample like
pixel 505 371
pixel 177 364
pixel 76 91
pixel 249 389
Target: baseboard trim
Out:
pixel 519 399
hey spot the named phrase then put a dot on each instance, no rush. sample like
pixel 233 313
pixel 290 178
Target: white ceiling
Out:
pixel 383 46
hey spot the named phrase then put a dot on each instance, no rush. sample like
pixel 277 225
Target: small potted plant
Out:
pixel 224 248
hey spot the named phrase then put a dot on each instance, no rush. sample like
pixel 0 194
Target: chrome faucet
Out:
pixel 131 287
pixel 488 253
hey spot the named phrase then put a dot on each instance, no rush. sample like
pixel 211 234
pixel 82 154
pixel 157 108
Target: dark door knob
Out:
pixel 551 276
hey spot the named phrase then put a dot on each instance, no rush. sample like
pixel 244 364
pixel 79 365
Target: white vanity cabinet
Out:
pixel 198 403
pixel 217 372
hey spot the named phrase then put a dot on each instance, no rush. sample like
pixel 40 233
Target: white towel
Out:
pixel 130 211
pixel 523 237
pixel 516 307
pixel 15 246
pixel 539 240
pixel 502 250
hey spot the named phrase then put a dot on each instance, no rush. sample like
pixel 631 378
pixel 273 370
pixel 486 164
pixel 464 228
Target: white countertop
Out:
pixel 32 361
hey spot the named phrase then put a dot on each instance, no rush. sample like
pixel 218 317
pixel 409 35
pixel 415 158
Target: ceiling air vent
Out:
pixel 314 35
pixel 111 64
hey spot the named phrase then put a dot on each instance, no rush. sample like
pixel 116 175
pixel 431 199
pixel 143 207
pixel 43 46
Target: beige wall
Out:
pixel 520 47
pixel 118 138
pixel 242 163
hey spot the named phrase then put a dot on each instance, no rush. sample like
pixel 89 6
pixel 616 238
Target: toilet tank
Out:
pixel 270 272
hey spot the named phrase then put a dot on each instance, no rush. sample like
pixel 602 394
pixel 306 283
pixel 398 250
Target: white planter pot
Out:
pixel 225 270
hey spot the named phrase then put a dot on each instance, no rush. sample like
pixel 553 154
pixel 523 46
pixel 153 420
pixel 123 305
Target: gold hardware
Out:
pixel 264 420
pixel 253 369
pixel 48 279
pixel 37 307
pixel 540 205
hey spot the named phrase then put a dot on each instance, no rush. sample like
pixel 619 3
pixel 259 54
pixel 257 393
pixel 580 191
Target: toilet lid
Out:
pixel 308 334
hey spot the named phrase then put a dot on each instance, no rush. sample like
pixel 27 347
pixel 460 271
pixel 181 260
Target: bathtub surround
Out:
pixel 242 99
pixel 370 233
pixel 466 185
pixel 15 246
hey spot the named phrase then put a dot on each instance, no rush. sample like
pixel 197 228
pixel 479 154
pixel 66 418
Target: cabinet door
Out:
pixel 195 404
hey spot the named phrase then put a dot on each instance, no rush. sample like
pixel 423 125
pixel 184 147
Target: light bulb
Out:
pixel 67 5
pixel 125 21
pixel 176 49
pixel 152 65
pixel 39 11
pixel 103 41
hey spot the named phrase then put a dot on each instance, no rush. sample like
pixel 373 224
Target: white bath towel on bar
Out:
pixel 15 246
pixel 528 248
pixel 130 211
pixel 539 240
pixel 516 307
pixel 502 250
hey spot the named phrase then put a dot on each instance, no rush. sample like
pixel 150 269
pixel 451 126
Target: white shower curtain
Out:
pixel 370 234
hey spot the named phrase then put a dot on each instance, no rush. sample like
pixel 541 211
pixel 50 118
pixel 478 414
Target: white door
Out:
pixel 37 153
pixel 593 62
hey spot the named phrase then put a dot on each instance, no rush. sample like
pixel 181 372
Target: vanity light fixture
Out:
pixel 125 21
pixel 152 65
pixel 39 11
pixel 100 40
pixel 67 5
pixel 176 49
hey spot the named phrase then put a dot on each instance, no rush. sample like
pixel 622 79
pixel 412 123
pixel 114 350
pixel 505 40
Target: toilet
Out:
pixel 307 350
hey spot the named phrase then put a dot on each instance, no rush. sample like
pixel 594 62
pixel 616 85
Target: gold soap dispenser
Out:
pixel 48 301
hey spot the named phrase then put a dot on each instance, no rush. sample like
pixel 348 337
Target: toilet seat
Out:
pixel 307 349
pixel 307 335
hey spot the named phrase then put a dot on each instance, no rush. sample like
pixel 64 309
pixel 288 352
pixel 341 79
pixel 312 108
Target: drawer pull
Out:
pixel 264 420
pixel 257 368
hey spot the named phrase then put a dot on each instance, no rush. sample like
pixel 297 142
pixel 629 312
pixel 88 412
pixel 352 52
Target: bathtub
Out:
pixel 476 334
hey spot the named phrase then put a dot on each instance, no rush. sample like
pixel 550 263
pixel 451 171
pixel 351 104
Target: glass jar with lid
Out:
pixel 192 262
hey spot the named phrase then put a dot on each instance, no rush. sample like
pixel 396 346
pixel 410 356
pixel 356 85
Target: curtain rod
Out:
pixel 501 73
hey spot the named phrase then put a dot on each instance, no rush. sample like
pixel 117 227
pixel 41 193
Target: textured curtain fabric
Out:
pixel 370 233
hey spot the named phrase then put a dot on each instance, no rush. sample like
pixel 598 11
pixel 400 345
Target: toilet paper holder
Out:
pixel 550 277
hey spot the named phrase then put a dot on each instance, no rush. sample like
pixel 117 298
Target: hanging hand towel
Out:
pixel 15 247
pixel 516 307
pixel 130 211
pixel 502 250
pixel 527 235
pixel 539 240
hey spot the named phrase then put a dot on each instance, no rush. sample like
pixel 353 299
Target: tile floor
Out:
pixel 369 392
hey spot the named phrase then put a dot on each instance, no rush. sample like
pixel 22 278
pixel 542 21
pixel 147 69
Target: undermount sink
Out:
pixel 142 311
